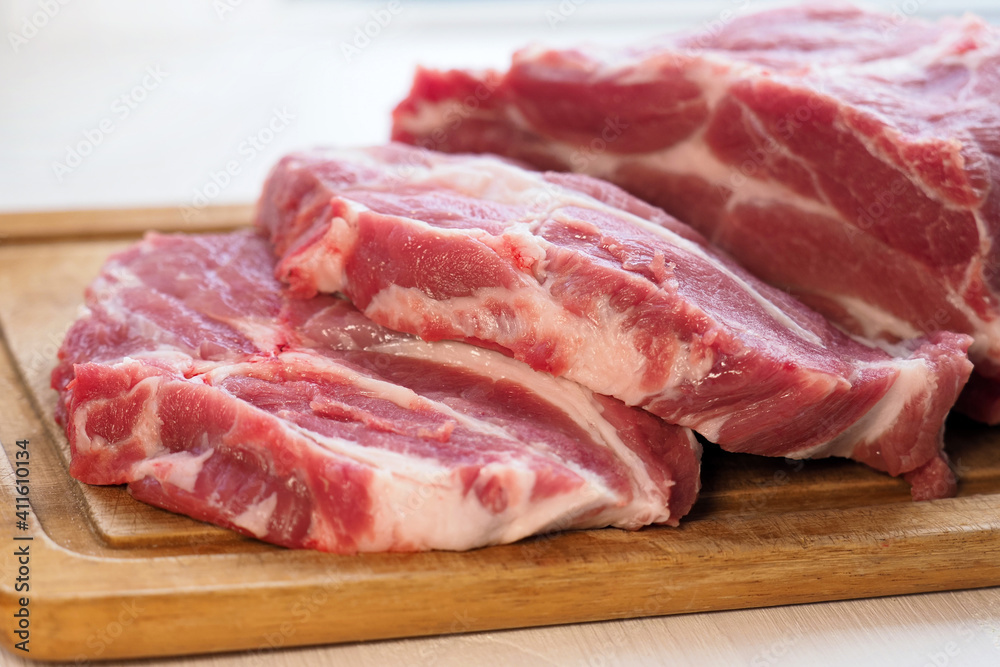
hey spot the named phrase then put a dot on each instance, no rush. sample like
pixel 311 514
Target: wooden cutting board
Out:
pixel 111 577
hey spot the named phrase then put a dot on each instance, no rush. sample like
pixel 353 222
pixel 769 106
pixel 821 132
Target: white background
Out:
pixel 225 74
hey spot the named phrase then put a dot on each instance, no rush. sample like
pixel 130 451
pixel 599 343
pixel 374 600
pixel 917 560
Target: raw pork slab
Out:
pixel 850 157
pixel 195 380
pixel 575 277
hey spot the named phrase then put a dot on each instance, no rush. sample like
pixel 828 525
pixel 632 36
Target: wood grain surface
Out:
pixel 35 226
pixel 765 532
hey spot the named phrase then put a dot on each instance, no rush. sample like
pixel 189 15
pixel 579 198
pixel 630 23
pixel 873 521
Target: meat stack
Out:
pixel 530 351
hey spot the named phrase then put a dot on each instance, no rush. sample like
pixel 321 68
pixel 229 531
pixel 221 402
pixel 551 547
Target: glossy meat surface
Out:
pixel 849 157
pixel 576 278
pixel 196 380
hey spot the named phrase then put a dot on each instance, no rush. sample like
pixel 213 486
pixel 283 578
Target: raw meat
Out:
pixel 195 380
pixel 575 277
pixel 850 157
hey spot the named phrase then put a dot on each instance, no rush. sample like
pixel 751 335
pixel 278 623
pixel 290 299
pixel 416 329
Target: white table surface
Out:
pixel 222 76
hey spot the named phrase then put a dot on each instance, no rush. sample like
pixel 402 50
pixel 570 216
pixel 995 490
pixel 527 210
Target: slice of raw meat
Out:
pixel 197 381
pixel 850 157
pixel 575 277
